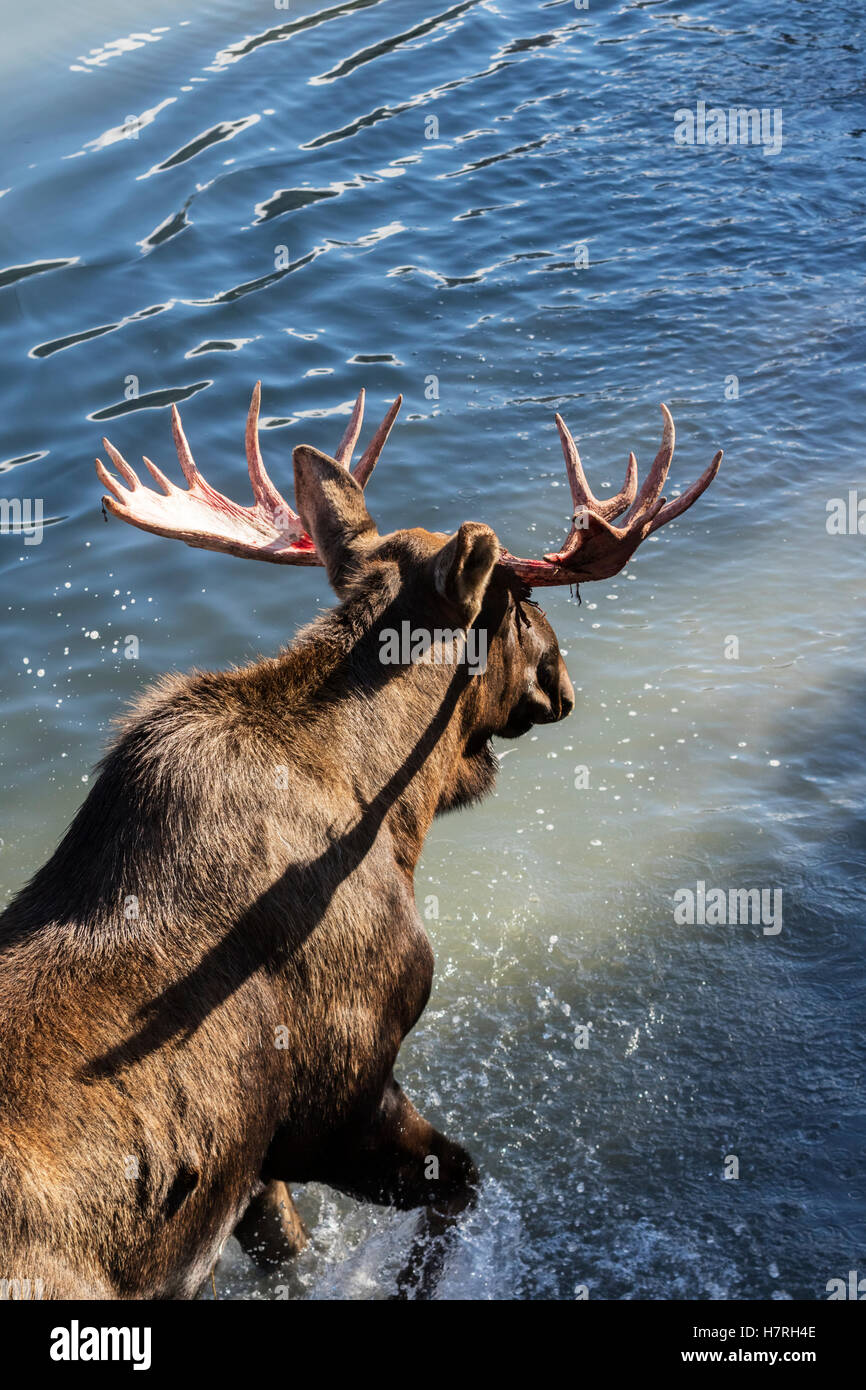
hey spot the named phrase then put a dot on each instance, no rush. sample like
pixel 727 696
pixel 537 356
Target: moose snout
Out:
pixel 559 693
pixel 566 696
pixel 564 699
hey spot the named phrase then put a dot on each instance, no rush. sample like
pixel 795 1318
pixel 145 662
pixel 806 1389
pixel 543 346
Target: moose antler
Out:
pixel 202 517
pixel 272 530
pixel 594 549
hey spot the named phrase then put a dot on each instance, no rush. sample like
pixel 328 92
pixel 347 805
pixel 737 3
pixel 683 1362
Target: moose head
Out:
pixel 436 583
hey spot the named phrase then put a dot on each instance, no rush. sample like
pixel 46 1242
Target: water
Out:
pixel 285 208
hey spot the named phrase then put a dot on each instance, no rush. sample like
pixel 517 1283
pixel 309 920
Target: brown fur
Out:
pixel 267 821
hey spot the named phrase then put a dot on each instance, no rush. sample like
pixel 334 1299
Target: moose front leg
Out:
pixel 270 1230
pixel 400 1160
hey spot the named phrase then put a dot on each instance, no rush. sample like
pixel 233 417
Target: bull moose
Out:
pixel 204 991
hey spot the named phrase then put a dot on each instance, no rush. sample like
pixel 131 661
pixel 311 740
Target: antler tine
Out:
pixel 580 489
pixel 158 475
pixel 581 493
pixel 655 479
pixel 263 489
pixel 346 446
pixel 678 505
pixel 370 457
pixel 129 475
pixel 623 500
pixel 184 453
pixel 107 481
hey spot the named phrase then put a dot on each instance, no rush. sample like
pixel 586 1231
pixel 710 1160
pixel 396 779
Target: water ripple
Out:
pixel 13 273
pixel 280 33
pixel 224 130
pixel 151 400
pixel 391 44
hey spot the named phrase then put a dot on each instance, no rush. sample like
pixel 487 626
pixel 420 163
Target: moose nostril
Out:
pixel 566 705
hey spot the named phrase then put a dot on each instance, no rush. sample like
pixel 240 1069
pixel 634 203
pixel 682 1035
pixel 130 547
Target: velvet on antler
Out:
pixel 199 515
pixel 271 530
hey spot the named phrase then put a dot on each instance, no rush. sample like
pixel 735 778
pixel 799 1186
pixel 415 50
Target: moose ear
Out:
pixel 333 510
pixel 462 569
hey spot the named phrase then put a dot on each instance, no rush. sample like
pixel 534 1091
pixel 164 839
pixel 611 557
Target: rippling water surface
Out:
pixel 483 206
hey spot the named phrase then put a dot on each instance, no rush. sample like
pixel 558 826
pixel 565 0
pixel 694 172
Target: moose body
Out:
pixel 204 991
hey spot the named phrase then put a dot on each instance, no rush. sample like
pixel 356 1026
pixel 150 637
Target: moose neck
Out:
pixel 398 732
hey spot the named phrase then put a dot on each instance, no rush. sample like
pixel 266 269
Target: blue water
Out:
pixel 485 208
